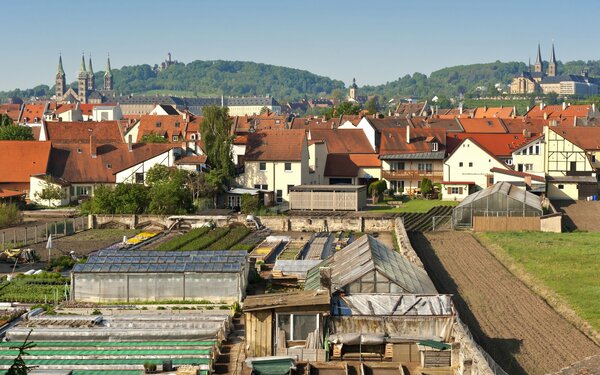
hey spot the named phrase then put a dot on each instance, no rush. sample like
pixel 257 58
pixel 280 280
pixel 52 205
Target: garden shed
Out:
pixel 130 276
pixel 287 324
pixel 328 197
pixel 500 205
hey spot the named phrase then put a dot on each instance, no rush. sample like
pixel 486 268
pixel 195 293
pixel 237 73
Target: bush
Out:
pixel 10 214
pixel 376 190
pixel 234 236
pixel 426 186
pixel 61 263
pixel 250 204
pixel 96 312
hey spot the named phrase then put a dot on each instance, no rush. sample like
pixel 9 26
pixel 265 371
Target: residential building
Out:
pixel 409 155
pixel 276 160
pixel 19 160
pixel 171 127
pixel 106 132
pixel 253 105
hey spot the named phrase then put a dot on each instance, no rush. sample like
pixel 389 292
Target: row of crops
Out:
pixel 223 238
pixel 423 222
pixel 42 288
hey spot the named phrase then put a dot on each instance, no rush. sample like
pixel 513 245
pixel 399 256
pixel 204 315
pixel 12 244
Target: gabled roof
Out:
pixel 9 193
pixel 411 109
pixel 276 145
pixel 512 172
pixel 388 122
pixel 343 141
pixel 482 125
pixel 33 111
pixel 508 190
pixel 393 141
pixel 191 160
pixel 367 254
pixel 347 165
pixel 162 125
pixel 450 124
pixel 306 123
pixel 493 112
pixel 587 138
pixel 247 124
pixel 11 110
pixel 19 160
pixel 74 163
pixel 80 131
pixel 498 145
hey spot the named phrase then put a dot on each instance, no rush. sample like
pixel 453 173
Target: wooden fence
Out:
pixel 505 223
pixel 22 236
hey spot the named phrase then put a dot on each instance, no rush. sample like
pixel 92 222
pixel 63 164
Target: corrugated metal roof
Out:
pixel 367 254
pixel 394 305
pixel 277 300
pixel 414 156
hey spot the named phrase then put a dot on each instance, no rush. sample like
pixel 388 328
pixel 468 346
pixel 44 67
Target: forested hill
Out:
pixel 239 78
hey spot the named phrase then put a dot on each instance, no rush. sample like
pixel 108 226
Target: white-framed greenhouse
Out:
pixel 499 200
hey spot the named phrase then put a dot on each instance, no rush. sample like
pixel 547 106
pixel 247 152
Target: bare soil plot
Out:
pixel 512 323
pixel 581 215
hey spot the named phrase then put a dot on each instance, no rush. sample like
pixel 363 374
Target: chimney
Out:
pixel 325 279
pixel 593 108
pixel 514 114
pixel 93 146
pixel 574 120
pixel 542 106
pixel 407 133
pixel 130 142
pixel 460 109
pixel 564 106
pixel 545 116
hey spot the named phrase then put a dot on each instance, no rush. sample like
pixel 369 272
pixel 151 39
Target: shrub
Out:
pixel 249 204
pixel 376 189
pixel 96 312
pixel 426 186
pixel 10 215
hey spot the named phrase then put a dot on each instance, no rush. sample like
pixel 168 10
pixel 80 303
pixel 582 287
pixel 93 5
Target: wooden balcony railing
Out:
pixel 412 175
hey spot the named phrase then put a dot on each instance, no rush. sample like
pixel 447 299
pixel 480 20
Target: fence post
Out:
pixel 3 238
pixel 25 236
pixel 46 234
pixel 65 228
pixel 35 233
pixel 14 238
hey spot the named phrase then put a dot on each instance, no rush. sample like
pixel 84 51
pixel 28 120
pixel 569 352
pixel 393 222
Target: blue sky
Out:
pixel 374 41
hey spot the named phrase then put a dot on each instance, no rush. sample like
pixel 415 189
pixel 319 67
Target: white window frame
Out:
pixel 292 322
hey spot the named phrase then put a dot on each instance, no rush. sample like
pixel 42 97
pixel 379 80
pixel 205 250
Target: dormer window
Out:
pixel 158 124
pixel 79 151
pixel 193 137
pixel 177 124
pixel 109 166
pixel 434 146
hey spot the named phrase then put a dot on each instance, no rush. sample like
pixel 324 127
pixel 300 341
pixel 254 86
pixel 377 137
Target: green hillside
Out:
pixel 237 78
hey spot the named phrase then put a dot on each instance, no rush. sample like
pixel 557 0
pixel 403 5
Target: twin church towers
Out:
pixel 86 85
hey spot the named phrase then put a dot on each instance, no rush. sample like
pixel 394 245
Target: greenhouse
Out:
pixel 499 200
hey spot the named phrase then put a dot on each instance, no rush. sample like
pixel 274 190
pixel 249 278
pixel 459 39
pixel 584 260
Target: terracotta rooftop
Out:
pixel 74 163
pixel 191 160
pixel 393 141
pixel 11 110
pixel 343 141
pixel 588 138
pixel 512 172
pixel 246 124
pixel 276 145
pixel 32 112
pixel 388 122
pixel 347 165
pixel 309 123
pixel 493 112
pixel 80 131
pixel 499 145
pixel 21 159
pixel 163 125
pixel 482 125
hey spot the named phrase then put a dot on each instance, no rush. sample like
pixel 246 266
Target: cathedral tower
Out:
pixel 538 67
pixel 108 77
pixel 82 82
pixel 60 83
pixel 552 64
pixel 91 82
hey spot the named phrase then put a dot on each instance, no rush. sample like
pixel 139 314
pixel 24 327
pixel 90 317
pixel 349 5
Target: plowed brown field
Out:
pixel 512 323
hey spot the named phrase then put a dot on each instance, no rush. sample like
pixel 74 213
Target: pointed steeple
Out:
pixel 82 68
pixel 90 69
pixel 538 59
pixel 538 66
pixel 552 64
pixel 108 71
pixel 61 71
pixel 552 55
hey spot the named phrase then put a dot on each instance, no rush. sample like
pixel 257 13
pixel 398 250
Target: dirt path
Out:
pixel 513 324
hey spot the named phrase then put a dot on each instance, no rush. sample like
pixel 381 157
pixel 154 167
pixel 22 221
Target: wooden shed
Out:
pixel 328 197
pixel 287 324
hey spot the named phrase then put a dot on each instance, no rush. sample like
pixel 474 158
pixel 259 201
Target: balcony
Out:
pixel 412 174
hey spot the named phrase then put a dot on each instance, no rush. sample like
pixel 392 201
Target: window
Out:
pixel 261 187
pixel 398 166
pixel 158 124
pixel 470 164
pixel 427 167
pixel 528 167
pixel 573 166
pixel 454 190
pixel 434 146
pixel 279 196
pixel 175 138
pixel 262 166
pixel 177 124
pixel 460 164
pixel 109 166
pixel 561 186
pixel 509 162
pixel 537 149
pixel 83 190
pixel 288 167
pixel 139 178
pixel 193 137
pixel 289 187
pixel 297 326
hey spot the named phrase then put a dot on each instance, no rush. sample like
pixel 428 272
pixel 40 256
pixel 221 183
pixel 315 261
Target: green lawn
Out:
pixel 566 263
pixel 413 205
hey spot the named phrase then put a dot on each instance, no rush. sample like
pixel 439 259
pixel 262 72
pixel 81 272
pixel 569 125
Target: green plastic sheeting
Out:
pixel 280 366
pixel 435 344
pixel 120 352
pixel 105 344
pixel 120 361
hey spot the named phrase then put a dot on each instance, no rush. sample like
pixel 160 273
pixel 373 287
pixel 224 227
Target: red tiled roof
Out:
pixel 11 110
pixel 80 131
pixel 493 112
pixel 347 165
pixel 21 159
pixel 62 108
pixel 588 138
pixel 33 111
pixel 163 125
pixel 8 193
pixel 240 140
pixel 245 124
pixel 73 162
pixel 450 124
pixel 191 160
pixel 556 111
pixel 518 124
pixel 314 123
pixel 393 141
pixel 388 122
pixel 343 141
pixel 482 125
pixel 498 145
pixel 275 145
pixel 512 172
pixel 458 183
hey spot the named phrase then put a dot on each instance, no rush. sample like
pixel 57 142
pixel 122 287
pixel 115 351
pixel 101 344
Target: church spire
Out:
pixel 90 69
pixel 538 59
pixel 108 78
pixel 91 80
pixel 82 68
pixel 552 55
pixel 538 67
pixel 61 71
pixel 108 70
pixel 552 64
